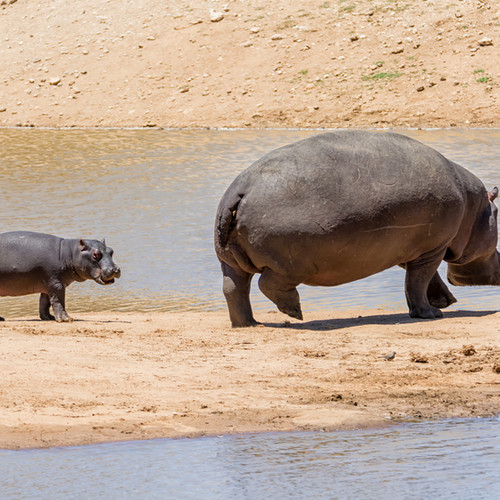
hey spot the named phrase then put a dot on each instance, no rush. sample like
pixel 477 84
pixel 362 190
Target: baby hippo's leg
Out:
pixel 44 308
pixel 57 300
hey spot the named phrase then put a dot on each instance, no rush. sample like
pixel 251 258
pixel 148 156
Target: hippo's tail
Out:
pixel 226 220
pixel 227 249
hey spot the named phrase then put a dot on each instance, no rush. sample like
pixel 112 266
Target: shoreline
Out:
pixel 111 377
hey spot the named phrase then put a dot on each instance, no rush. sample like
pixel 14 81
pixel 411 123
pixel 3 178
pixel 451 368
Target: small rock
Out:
pixel 215 16
pixel 485 42
pixel 399 50
pixel 496 368
pixel 3 110
pixel 255 30
pixel 277 37
pixel 420 89
pixel 56 80
pixel 354 38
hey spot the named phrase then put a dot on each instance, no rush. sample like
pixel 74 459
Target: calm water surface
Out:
pixel 447 460
pixel 153 194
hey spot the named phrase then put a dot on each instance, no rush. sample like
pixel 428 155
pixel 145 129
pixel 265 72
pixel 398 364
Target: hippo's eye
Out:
pixel 96 255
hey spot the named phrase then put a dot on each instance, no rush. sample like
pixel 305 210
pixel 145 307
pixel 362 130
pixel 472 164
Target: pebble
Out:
pixel 485 42
pixel 216 16
pixel 56 80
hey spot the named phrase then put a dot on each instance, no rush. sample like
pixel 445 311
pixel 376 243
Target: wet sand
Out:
pixel 116 376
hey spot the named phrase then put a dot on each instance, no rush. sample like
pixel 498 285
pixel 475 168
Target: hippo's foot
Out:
pixel 284 295
pixel 64 319
pixel 426 313
pixel 244 323
pixel 47 317
pixel 438 294
pixel 443 301
pixel 293 311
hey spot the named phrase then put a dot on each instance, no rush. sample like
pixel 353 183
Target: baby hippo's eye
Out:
pixel 96 255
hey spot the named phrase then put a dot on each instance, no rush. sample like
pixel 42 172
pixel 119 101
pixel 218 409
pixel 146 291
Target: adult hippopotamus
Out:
pixel 343 205
pixel 45 264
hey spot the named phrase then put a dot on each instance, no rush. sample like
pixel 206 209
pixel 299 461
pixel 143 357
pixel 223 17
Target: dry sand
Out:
pixel 117 376
pixel 314 63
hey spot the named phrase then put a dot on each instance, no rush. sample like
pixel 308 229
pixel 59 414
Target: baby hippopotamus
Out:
pixel 42 263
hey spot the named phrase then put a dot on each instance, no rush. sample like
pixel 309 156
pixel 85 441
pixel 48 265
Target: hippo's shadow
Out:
pixel 376 319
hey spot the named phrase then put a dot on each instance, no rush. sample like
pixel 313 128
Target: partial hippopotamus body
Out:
pixel 45 264
pixel 341 206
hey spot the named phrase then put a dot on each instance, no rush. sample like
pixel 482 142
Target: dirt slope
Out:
pixel 367 63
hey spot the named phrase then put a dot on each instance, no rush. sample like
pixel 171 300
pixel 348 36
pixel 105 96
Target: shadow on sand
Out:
pixel 376 319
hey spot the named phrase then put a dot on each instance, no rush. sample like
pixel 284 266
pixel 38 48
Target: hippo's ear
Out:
pixel 103 241
pixel 493 194
pixel 83 245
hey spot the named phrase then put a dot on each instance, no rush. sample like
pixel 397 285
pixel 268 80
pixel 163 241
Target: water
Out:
pixel 457 459
pixel 153 194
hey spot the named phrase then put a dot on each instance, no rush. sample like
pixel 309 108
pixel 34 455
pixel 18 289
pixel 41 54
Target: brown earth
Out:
pixel 117 376
pixel 366 63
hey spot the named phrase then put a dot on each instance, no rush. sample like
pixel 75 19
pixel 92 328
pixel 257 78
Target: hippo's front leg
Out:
pixel 419 274
pixel 57 300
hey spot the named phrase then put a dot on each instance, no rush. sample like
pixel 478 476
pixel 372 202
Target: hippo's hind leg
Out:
pixel 44 308
pixel 236 288
pixel 419 275
pixel 283 293
pixel 438 293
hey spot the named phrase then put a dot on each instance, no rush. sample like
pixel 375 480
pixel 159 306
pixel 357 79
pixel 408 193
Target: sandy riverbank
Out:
pixel 117 376
pixel 233 63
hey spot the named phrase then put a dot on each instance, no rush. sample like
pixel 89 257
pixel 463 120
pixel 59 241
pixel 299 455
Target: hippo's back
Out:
pixel 25 250
pixel 333 177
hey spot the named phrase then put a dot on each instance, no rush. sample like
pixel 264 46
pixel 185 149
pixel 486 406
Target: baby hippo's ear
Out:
pixel 83 246
pixel 492 194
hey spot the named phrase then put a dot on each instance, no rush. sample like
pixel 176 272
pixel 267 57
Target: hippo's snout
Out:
pixel 108 276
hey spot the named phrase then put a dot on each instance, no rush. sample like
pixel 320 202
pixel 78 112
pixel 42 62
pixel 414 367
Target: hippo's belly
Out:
pixel 13 283
pixel 321 252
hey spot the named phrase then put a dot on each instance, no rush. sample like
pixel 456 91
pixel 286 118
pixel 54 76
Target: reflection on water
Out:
pixel 457 459
pixel 153 194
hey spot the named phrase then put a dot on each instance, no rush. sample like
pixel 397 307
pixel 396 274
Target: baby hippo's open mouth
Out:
pixel 104 281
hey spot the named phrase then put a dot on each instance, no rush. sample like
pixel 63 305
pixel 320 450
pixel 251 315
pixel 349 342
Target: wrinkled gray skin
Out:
pixel 45 264
pixel 344 205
